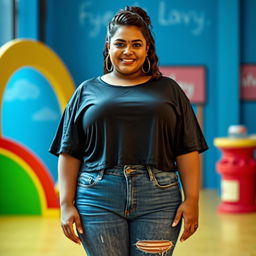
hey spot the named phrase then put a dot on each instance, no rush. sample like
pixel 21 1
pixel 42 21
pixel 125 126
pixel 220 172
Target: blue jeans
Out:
pixel 128 211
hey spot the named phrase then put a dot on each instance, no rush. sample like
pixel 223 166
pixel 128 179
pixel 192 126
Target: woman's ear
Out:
pixel 107 45
pixel 147 48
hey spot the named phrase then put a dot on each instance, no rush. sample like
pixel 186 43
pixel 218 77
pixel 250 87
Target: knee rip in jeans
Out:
pixel 159 247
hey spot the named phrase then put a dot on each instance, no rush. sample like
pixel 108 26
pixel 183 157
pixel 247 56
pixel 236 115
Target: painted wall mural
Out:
pixel 26 183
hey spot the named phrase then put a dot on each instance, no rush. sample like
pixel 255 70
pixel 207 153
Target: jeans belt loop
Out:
pixel 150 173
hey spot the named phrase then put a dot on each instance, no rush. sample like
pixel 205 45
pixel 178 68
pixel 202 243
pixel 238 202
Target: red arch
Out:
pixel 37 166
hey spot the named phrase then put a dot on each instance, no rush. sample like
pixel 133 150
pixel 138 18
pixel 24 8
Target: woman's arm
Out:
pixel 189 169
pixel 68 168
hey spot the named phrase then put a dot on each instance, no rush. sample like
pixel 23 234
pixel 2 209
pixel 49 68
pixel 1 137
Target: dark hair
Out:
pixel 134 16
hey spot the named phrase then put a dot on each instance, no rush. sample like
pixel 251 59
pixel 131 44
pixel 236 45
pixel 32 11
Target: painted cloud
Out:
pixel 45 114
pixel 21 90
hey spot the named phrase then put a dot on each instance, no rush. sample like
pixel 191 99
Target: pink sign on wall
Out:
pixel 190 79
pixel 248 82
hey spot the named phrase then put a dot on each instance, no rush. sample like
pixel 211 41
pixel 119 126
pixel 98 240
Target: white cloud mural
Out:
pixel 45 114
pixel 22 90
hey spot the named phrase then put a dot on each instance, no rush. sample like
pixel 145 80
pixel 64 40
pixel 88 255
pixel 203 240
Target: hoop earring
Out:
pixel 149 66
pixel 107 64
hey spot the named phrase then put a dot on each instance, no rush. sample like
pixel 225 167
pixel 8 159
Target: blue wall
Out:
pixel 215 33
pixel 185 33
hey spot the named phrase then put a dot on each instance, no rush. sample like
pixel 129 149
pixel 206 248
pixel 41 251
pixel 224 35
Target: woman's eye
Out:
pixel 119 44
pixel 136 45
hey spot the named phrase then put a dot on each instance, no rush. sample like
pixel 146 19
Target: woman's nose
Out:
pixel 127 49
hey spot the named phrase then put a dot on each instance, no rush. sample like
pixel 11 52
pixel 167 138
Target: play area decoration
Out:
pixel 26 186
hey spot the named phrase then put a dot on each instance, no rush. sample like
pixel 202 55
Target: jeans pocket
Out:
pixel 90 179
pixel 163 179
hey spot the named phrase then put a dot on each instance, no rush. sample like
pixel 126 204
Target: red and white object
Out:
pixel 237 168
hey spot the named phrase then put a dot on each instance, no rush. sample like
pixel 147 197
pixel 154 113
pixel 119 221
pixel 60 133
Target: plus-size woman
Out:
pixel 122 140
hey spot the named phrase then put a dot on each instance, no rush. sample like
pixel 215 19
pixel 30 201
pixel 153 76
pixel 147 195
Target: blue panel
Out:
pixel 28 19
pixel 248 31
pixel 248 108
pixel 6 21
pixel 228 65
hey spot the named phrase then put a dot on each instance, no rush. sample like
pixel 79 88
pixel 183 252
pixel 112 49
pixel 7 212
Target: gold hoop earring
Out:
pixel 107 64
pixel 149 66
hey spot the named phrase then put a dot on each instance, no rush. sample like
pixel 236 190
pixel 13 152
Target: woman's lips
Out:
pixel 127 61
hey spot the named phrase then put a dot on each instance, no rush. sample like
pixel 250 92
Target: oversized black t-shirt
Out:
pixel 106 125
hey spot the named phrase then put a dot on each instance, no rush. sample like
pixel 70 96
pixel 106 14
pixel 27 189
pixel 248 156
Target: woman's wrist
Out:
pixel 66 203
pixel 192 199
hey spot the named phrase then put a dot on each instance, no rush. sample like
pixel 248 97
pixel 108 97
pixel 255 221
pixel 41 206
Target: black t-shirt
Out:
pixel 106 125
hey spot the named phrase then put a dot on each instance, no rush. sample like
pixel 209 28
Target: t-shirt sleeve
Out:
pixel 69 137
pixel 189 136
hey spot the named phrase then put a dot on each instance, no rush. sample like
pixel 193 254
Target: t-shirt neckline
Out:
pixel 124 86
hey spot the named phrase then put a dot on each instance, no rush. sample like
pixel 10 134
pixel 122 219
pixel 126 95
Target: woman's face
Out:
pixel 127 51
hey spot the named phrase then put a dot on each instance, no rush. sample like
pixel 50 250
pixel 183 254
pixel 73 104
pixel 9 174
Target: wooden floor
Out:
pixel 218 235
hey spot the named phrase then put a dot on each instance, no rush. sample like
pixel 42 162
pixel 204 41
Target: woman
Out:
pixel 122 139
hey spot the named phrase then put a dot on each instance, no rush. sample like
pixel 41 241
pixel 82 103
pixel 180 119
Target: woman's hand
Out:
pixel 68 169
pixel 189 211
pixel 189 170
pixel 70 216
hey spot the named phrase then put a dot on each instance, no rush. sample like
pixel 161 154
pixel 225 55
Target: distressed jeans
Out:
pixel 128 211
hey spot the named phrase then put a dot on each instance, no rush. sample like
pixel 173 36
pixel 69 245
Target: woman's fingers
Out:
pixel 185 234
pixel 69 232
pixel 188 210
pixel 189 230
pixel 70 220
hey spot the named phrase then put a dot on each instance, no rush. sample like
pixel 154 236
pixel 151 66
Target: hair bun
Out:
pixel 139 11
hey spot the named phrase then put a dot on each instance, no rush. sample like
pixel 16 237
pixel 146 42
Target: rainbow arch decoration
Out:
pixel 26 186
pixel 35 169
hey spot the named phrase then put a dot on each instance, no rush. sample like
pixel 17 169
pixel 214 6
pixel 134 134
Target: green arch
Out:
pixel 18 194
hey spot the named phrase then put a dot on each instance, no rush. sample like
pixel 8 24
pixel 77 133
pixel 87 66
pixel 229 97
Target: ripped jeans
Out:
pixel 128 211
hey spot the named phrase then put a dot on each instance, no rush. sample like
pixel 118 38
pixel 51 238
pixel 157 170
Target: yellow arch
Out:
pixel 20 53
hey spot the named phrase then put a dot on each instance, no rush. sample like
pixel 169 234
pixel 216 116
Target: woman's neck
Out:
pixel 114 78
